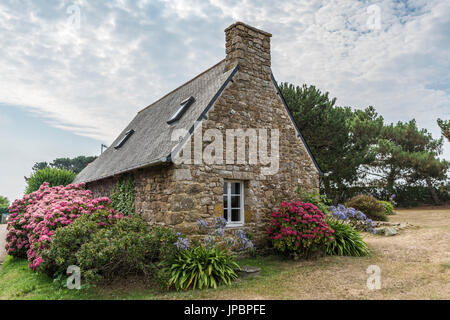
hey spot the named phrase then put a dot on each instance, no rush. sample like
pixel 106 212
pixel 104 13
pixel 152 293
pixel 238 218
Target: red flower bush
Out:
pixel 298 229
pixel 36 216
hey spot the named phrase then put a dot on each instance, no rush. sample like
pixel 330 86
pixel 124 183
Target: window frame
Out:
pixel 124 139
pixel 184 105
pixel 241 221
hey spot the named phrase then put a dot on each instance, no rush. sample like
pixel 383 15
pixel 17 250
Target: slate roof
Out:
pixel 151 143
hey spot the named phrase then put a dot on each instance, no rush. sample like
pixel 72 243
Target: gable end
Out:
pixel 295 125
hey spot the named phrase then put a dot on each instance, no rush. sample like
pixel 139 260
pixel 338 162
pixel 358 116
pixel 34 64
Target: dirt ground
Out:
pixel 414 264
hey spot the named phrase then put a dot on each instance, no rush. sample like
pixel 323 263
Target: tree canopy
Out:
pixel 4 202
pixel 351 145
pixel 75 164
pixel 445 127
pixel 339 138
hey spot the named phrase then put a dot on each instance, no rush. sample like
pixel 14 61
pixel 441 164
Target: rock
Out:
pixel 247 272
pixel 182 203
pixel 390 231
pixel 183 175
pixel 386 231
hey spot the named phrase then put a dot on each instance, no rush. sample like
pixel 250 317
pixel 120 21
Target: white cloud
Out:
pixel 126 54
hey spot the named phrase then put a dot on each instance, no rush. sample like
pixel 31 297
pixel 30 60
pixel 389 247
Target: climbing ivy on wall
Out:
pixel 123 196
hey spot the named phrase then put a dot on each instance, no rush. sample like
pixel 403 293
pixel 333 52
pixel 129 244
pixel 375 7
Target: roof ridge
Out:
pixel 187 82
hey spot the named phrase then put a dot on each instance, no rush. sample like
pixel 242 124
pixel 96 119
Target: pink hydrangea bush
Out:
pixel 299 230
pixel 36 216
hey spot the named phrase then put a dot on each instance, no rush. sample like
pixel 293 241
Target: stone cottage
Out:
pixel 202 150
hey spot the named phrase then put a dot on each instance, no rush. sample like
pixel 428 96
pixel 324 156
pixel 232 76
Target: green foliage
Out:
pixel 320 201
pixel 388 207
pixel 68 240
pixel 55 177
pixel 4 202
pixel 368 205
pixel 125 248
pixel 75 164
pixel 351 145
pixel 201 267
pixel 340 139
pixel 445 127
pixel 105 248
pixel 347 241
pixel 123 196
pixel 406 152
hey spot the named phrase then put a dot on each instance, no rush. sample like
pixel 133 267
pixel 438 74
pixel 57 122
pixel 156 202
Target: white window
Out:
pixel 233 203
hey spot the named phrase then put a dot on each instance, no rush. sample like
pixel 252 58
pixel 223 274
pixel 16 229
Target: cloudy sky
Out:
pixel 74 73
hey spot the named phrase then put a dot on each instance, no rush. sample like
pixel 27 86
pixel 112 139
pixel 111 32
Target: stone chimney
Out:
pixel 250 47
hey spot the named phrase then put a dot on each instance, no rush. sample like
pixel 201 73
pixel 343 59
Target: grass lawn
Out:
pixel 414 265
pixel 17 281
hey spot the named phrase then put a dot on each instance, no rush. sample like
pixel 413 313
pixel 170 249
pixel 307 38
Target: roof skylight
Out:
pixel 184 105
pixel 124 139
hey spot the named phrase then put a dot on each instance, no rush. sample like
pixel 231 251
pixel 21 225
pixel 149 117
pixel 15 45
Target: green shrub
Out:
pixel 347 241
pixel 123 196
pixel 104 247
pixel 368 205
pixel 202 267
pixel 68 240
pixel 128 247
pixel 320 201
pixel 388 207
pixel 4 202
pixel 55 177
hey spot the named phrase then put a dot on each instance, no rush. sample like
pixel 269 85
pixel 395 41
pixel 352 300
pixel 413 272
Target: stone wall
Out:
pixel 102 188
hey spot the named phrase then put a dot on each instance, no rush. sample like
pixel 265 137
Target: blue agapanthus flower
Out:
pixel 355 217
pixel 182 243
pixel 202 224
pixel 244 242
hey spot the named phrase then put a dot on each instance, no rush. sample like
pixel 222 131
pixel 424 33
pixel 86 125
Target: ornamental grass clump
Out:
pixel 299 230
pixel 347 241
pixel 35 218
pixel 201 267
